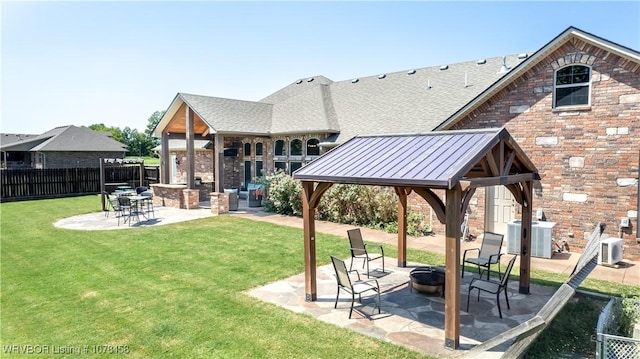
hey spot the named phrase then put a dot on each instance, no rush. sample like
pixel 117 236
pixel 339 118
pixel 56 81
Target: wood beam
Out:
pixel 434 201
pixel 493 166
pixel 507 166
pixel 191 153
pixel 320 189
pixel 403 193
pixel 165 170
pixel 308 217
pixel 452 275
pixel 497 181
pixel 525 239
pixel 205 132
pixel 466 198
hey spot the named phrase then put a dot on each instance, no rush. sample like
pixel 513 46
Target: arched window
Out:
pixel 247 149
pixel 259 149
pixel 312 147
pixel 281 149
pixel 296 147
pixel 572 86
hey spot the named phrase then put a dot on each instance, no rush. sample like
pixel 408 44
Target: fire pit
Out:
pixel 428 280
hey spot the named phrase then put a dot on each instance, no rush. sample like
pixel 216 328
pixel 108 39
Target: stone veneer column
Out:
pixel 219 203
pixel 191 198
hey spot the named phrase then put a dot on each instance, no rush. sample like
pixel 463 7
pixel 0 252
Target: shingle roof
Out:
pixel 399 102
pixel 436 159
pixel 68 138
pixel 227 115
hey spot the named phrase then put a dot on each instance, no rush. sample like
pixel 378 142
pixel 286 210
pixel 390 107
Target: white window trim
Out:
pixel 586 84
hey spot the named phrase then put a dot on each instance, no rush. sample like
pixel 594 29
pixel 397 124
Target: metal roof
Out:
pixel 437 159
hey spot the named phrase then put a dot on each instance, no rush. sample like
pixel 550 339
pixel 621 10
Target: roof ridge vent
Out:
pixel 411 72
pixel 444 67
pixel 481 62
pixel 429 84
pixel 381 76
pixel 310 79
pixel 523 55
pixel 299 82
pixel 355 81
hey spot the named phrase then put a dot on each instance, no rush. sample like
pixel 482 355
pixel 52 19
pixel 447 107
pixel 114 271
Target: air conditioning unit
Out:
pixel 610 251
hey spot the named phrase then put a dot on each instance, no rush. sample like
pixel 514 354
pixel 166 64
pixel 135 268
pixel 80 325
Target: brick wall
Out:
pixel 587 157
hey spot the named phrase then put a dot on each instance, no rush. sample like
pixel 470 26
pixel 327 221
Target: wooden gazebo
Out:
pixel 456 162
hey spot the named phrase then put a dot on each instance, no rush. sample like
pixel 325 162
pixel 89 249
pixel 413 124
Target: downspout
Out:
pixel 638 203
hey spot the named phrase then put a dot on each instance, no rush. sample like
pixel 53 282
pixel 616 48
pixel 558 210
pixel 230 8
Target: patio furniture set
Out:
pixel 425 279
pixel 129 203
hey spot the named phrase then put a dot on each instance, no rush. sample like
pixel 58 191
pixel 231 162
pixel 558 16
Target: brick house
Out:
pixel 573 106
pixel 61 147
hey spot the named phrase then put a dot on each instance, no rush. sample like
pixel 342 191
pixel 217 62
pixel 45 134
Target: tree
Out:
pixel 138 144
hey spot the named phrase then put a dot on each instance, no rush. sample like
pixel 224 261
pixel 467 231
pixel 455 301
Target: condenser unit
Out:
pixel 610 251
pixel 541 238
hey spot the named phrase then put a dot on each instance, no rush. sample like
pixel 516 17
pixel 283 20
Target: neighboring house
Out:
pixel 573 106
pixel 61 147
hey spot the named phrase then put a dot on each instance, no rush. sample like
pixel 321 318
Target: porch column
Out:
pixel 452 271
pixel 190 149
pixel 308 217
pixel 164 159
pixel 218 163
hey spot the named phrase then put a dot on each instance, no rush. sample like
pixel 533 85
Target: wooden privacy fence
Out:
pixel 29 183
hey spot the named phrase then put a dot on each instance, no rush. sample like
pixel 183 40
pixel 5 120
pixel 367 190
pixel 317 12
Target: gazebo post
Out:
pixel 402 225
pixel 452 268
pixel 525 239
pixel 308 218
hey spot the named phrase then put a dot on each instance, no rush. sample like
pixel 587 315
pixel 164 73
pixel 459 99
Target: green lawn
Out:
pixel 174 290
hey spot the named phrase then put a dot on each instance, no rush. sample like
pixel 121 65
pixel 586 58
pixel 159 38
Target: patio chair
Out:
pixel 488 253
pixel 357 287
pixel 359 250
pixel 492 286
pixel 114 206
pixel 128 210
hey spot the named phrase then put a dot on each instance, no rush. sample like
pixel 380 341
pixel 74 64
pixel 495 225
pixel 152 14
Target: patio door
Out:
pixel 500 209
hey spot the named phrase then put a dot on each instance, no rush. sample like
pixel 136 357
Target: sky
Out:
pixel 116 63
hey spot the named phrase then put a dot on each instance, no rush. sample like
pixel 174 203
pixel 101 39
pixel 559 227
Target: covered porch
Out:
pixel 454 162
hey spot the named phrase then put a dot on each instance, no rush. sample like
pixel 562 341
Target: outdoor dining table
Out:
pixel 140 202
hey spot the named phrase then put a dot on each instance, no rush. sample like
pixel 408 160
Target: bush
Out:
pixel 368 206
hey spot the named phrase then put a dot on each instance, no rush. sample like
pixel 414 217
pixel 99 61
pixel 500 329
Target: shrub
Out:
pixel 368 206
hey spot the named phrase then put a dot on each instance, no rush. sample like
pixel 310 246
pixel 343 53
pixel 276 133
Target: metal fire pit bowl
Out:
pixel 429 280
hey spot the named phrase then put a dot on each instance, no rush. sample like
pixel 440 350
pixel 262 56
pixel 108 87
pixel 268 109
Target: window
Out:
pixel 296 148
pixel 295 166
pixel 280 148
pixel 281 166
pixel 259 169
pixel 247 149
pixel 572 86
pixel 312 147
pixel 247 173
pixel 259 149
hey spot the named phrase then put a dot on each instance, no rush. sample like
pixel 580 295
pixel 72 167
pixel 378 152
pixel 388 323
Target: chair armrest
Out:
pixel 357 273
pixel 379 246
pixel 464 255
pixel 369 281
pixel 495 255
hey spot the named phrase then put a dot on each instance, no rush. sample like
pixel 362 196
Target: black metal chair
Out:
pixel 357 287
pixel 359 250
pixel 128 210
pixel 493 287
pixel 488 253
